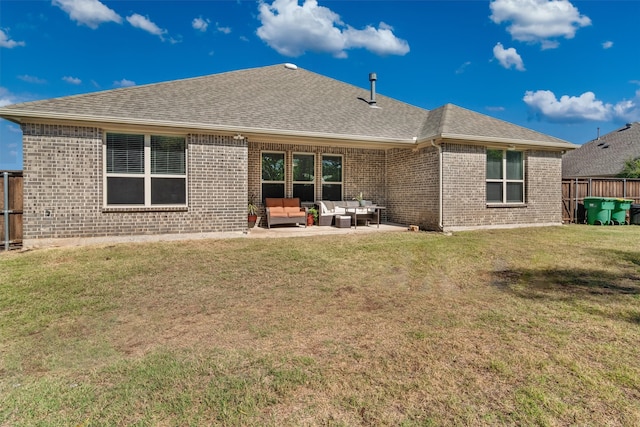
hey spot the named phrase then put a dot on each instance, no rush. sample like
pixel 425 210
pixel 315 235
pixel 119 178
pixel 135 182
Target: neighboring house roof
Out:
pixel 280 101
pixel 604 156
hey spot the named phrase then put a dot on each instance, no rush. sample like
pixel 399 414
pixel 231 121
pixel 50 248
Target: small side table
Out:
pixel 343 221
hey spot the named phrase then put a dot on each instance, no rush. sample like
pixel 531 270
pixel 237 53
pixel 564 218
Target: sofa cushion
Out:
pixel 293 210
pixel 276 210
pixel 329 205
pixel 292 202
pixel 272 201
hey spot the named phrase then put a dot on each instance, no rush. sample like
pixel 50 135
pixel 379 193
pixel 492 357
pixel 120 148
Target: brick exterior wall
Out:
pixel 464 174
pixel 63 196
pixel 63 180
pixel 412 187
pixel 363 170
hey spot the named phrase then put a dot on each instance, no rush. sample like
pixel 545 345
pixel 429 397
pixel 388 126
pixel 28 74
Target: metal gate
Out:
pixel 11 204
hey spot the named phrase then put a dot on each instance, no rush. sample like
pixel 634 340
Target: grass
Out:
pixel 516 327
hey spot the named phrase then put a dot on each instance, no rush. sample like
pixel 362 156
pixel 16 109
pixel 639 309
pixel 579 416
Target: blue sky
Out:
pixel 565 68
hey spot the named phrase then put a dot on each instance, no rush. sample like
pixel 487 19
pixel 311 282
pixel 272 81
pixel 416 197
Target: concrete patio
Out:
pixel 314 230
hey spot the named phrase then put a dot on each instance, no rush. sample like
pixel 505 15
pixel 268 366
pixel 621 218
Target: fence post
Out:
pixel 6 211
pixel 575 204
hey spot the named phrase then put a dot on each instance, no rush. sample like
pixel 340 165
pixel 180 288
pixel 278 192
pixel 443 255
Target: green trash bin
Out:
pixel 619 212
pixel 599 210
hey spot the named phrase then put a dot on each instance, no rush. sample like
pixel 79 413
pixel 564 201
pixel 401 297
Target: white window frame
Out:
pixel 312 182
pixel 341 182
pixel 147 175
pixel 504 181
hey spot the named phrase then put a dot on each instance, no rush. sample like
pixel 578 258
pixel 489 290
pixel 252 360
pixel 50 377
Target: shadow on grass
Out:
pixel 578 284
pixel 632 257
pixel 570 282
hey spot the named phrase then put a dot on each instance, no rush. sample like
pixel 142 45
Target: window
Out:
pixel 505 176
pixel 331 177
pixel 304 177
pixel 273 173
pixel 145 170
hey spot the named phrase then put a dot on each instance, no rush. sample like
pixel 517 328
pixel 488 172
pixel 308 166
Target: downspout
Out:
pixel 440 185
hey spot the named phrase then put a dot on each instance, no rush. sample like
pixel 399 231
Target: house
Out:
pixel 605 156
pixel 182 157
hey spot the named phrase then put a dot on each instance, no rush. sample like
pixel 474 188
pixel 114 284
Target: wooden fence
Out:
pixel 11 205
pixel 574 191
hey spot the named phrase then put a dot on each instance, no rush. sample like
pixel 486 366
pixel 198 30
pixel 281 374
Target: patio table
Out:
pixel 352 211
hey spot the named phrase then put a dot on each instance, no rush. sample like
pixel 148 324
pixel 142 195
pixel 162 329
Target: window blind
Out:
pixel 167 155
pixel 125 153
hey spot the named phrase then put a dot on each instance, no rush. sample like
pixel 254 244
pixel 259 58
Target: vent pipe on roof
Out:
pixel 372 79
pixel 598 134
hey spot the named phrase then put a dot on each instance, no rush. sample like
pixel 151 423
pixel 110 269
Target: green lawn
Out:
pixel 515 327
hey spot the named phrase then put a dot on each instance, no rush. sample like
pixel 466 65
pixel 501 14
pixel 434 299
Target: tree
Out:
pixel 631 169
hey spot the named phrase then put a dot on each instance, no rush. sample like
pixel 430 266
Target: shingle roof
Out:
pixel 604 156
pixel 279 100
pixel 451 121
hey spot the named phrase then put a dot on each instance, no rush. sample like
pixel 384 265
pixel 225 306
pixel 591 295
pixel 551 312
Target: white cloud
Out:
pixel 5 41
pixel 539 21
pixel 292 30
pixel 628 110
pixel 6 98
pixel 72 80
pixel 225 30
pixel 32 79
pixel 124 83
pixel 463 67
pixel 508 57
pixel 144 23
pixel 575 109
pixel 380 41
pixel 200 24
pixel 495 109
pixel 607 45
pixel 88 12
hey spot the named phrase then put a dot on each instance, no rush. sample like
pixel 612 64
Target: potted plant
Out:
pixel 312 216
pixel 359 199
pixel 252 216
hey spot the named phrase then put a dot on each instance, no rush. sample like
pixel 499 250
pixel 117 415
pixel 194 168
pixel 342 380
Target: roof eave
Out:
pixel 19 116
pixel 507 142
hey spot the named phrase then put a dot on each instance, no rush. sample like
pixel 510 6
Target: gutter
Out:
pixel 508 141
pixel 520 144
pixel 440 185
pixel 18 116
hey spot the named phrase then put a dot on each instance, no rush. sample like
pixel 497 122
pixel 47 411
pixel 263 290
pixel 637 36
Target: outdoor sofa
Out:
pixel 285 211
pixel 328 210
